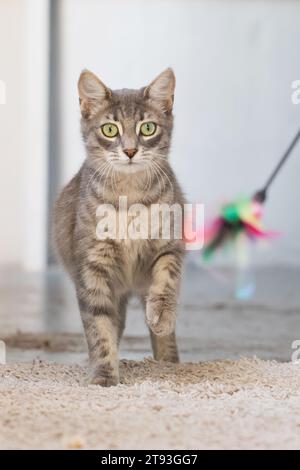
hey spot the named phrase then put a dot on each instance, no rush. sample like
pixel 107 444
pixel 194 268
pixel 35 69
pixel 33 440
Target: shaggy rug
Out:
pixel 245 404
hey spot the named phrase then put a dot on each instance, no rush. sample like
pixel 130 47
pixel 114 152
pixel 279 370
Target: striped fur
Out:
pixel 107 272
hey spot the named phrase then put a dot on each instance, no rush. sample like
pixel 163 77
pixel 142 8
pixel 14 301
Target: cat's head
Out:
pixel 127 129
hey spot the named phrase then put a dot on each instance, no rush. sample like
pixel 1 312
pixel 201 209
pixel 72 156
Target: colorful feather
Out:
pixel 242 215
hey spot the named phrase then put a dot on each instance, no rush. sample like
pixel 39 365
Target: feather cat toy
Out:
pixel 244 215
pixel 239 222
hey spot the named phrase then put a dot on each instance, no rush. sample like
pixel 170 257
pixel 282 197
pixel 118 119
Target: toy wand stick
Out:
pixel 261 195
pixel 243 214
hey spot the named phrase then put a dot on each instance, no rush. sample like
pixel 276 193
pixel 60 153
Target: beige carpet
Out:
pixel 219 405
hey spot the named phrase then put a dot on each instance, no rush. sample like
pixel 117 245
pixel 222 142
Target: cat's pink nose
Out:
pixel 130 152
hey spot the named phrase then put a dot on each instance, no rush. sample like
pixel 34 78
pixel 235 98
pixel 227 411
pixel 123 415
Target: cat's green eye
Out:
pixel 110 130
pixel 148 128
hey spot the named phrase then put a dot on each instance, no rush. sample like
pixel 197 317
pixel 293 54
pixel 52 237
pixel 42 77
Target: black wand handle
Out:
pixel 261 195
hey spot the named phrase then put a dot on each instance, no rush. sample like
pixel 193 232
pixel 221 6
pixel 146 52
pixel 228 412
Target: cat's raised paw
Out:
pixel 160 318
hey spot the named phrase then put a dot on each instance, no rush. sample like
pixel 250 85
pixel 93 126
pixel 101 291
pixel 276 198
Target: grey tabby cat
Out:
pixel 127 136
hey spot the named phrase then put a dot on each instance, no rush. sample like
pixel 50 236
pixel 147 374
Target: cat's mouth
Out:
pixel 130 161
pixel 129 166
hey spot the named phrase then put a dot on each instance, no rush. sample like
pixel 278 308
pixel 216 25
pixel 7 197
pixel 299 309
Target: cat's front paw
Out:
pixel 160 315
pixel 104 375
pixel 104 381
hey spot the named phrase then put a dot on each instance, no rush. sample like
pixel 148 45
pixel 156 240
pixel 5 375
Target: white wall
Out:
pixel 24 133
pixel 10 125
pixel 234 62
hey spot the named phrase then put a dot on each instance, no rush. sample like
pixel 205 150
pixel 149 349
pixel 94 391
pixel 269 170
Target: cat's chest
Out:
pixel 137 258
pixel 136 238
pixel 131 227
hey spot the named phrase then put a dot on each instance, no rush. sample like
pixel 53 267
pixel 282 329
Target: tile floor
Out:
pixel 39 317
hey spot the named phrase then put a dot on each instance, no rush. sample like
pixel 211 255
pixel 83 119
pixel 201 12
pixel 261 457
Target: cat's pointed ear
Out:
pixel 92 94
pixel 161 90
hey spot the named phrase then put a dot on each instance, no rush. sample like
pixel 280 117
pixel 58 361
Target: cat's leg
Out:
pixel 161 303
pixel 164 347
pixel 122 315
pixel 99 312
